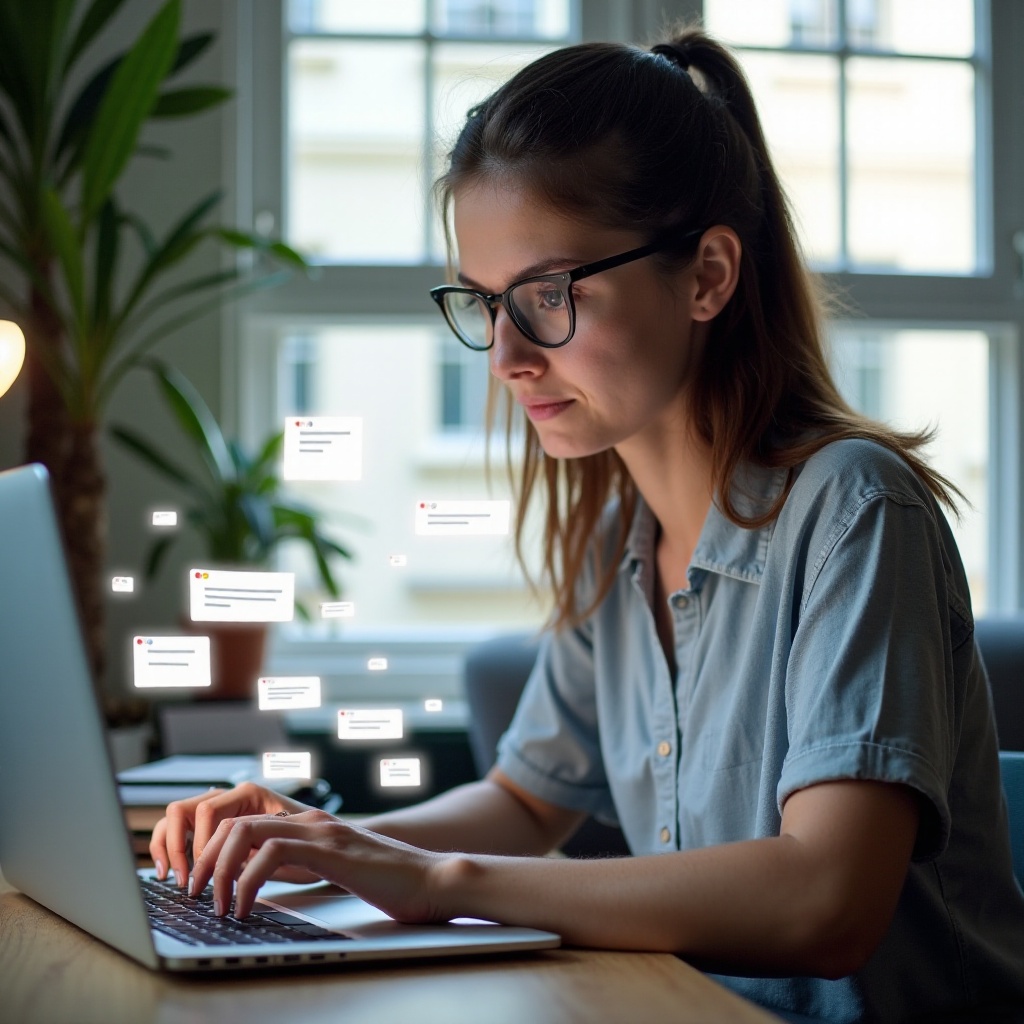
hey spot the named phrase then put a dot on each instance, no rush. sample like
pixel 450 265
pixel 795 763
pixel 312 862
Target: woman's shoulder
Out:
pixel 854 470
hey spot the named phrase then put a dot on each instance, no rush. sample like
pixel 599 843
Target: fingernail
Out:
pixel 179 878
pixel 218 907
pixel 159 865
pixel 192 886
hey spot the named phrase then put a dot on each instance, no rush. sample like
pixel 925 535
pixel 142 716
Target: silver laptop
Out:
pixel 63 839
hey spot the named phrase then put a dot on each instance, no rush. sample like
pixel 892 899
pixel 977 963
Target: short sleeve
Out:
pixel 871 683
pixel 552 748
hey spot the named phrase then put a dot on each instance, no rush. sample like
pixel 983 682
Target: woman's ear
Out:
pixel 716 272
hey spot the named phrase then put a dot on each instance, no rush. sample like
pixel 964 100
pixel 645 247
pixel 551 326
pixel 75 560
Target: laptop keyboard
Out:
pixel 191 919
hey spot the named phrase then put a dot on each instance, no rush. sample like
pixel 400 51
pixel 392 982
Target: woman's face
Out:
pixel 624 374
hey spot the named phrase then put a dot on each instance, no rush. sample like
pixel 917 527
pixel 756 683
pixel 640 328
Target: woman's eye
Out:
pixel 552 299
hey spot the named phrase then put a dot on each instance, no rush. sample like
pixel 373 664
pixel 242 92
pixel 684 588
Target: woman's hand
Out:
pixel 202 814
pixel 245 852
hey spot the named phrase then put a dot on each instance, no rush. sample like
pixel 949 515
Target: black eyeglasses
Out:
pixel 541 307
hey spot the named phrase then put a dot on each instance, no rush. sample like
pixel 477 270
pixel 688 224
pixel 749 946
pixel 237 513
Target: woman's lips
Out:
pixel 538 411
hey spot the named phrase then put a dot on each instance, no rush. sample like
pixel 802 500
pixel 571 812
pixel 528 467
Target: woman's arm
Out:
pixel 491 816
pixel 815 900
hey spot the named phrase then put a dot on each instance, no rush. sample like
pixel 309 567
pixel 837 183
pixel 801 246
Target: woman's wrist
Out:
pixel 454 883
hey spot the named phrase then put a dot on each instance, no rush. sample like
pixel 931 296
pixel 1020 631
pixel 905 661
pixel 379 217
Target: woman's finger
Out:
pixel 179 821
pixel 207 863
pixel 279 851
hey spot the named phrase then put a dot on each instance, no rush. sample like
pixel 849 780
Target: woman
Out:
pixel 761 660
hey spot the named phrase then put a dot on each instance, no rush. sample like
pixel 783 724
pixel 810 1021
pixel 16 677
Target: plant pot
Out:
pixel 236 657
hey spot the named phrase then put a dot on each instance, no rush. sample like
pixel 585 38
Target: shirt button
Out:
pixel 664 748
pixel 665 835
pixel 680 600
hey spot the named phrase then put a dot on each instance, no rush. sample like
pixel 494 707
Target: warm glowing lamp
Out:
pixel 12 353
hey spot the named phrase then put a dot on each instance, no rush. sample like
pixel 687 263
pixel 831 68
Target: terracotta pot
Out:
pixel 236 658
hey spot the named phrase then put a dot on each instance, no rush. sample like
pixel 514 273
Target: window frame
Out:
pixel 992 299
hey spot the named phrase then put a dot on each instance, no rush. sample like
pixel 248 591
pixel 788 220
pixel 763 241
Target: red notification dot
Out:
pixel 199 575
pixel 297 423
pixel 423 504
pixel 139 641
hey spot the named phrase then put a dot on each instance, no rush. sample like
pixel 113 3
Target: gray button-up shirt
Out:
pixel 834 643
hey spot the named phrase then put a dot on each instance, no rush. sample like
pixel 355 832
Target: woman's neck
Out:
pixel 672 471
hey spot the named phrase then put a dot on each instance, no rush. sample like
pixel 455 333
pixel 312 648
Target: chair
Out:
pixel 494 675
pixel 1001 642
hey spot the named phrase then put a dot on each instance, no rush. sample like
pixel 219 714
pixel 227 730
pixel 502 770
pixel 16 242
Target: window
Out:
pixel 870 106
pixel 899 164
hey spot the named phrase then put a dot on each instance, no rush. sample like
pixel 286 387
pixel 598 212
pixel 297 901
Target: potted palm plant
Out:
pixel 236 506
pixel 87 278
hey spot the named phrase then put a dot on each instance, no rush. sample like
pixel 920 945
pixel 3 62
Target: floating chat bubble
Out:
pixel 397 561
pixel 462 518
pixel 290 765
pixel 337 609
pixel 363 724
pixel 171 661
pixel 165 518
pixel 377 664
pixel 400 771
pixel 288 692
pixel 323 448
pixel 223 595
pixel 123 584
pixel 432 704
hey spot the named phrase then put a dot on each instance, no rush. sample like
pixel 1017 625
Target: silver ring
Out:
pixel 282 814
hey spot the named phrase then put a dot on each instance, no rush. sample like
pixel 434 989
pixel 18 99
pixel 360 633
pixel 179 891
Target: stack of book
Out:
pixel 146 790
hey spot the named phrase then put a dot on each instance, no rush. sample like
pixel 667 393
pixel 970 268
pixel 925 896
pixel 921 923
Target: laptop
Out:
pixel 64 841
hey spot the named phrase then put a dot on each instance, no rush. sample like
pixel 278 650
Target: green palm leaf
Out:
pixel 125 105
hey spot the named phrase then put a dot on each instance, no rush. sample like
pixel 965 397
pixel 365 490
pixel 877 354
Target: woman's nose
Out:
pixel 513 355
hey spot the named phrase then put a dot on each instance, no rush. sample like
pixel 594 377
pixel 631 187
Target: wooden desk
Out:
pixel 53 973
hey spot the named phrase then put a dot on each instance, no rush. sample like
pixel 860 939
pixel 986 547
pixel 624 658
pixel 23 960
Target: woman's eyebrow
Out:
pixel 548 266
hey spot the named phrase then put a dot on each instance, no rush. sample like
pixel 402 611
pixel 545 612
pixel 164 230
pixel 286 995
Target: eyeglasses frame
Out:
pixel 564 281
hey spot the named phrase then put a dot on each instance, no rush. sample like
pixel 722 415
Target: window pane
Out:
pixel 356 189
pixel 399 16
pixel 773 22
pixel 536 19
pixel 793 92
pixel 912 26
pixel 407 458
pixel 911 165
pixel 916 379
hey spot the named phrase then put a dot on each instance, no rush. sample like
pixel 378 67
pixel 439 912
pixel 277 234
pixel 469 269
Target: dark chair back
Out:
pixel 1001 642
pixel 494 675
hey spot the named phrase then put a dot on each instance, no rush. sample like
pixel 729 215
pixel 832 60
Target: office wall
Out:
pixel 159 191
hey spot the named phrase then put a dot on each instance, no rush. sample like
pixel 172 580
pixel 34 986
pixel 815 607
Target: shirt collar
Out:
pixel 723 547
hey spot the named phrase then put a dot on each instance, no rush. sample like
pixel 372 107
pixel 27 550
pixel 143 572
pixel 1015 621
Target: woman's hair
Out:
pixel 668 140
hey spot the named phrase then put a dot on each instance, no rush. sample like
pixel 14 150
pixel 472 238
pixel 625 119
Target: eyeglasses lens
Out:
pixel 470 317
pixel 542 306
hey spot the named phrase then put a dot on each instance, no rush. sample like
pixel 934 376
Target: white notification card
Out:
pixel 400 771
pixel 337 609
pixel 361 724
pixel 225 595
pixel 290 765
pixel 323 448
pixel 171 660
pixel 165 518
pixel 123 584
pixel 288 692
pixel 462 518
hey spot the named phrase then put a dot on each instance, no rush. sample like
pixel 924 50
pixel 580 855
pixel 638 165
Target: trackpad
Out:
pixel 321 903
